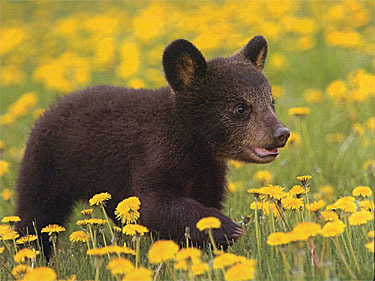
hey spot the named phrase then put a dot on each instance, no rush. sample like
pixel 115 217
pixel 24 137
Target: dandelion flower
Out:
pixel 363 191
pixel 263 176
pixel 11 219
pixel 292 203
pixel 138 274
pixel 20 269
pixel 52 228
pixel 26 239
pixel 199 268
pixel 298 190
pixel 241 271
pixel 79 236
pixel 162 250
pixel 329 215
pixel 4 167
pixel 25 254
pixel 371 246
pixel 127 210
pixel 254 191
pixel 2 249
pixel 278 238
pixel 188 253
pixel 304 179
pixel 294 139
pixel 7 194
pixel 120 266
pixel 303 230
pixel 331 229
pixel 96 252
pixel 347 204
pixel 366 205
pixel 112 249
pixel 360 217
pixel 41 273
pixel 273 191
pixel 87 212
pixel 299 111
pixel 100 198
pixel 315 206
pixel 224 260
pixel 371 234
pixel 208 223
pixel 133 229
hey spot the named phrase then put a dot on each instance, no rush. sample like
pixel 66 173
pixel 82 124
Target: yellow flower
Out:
pixel 366 205
pixel 22 105
pixel 224 260
pixel 208 223
pixel 273 191
pixel 235 164
pixel 87 212
pixel 7 194
pixel 199 268
pixel 278 61
pixel 315 206
pixel 298 190
pixel 313 96
pixel 294 139
pixel 127 210
pixel 8 234
pixel 331 229
pixel 371 124
pixel 335 138
pixel 304 230
pixel 41 273
pixel 25 254
pixel 79 236
pixel 2 249
pixel 299 111
pixel 162 250
pixel 138 274
pixel 255 191
pixel 52 228
pixel 371 234
pixel 241 271
pixel 304 179
pixel 133 229
pixel 100 198
pixel 96 252
pixel 4 167
pixel 363 191
pixel 130 60
pixel 347 204
pixel 263 176
pixel 92 221
pixel 11 219
pixel 120 266
pixel 278 238
pixel 329 215
pixel 338 90
pixel 26 239
pixel 369 165
pixel 37 113
pixel 20 270
pixel 118 250
pixel 277 91
pixel 188 253
pixel 360 217
pixel 292 203
pixel 371 246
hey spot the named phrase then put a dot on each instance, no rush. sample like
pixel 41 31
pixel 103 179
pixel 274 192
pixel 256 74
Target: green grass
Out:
pixel 339 165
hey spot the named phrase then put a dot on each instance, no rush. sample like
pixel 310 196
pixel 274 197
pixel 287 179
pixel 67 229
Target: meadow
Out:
pixel 309 215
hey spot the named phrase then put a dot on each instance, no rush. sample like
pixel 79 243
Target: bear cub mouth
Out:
pixel 265 152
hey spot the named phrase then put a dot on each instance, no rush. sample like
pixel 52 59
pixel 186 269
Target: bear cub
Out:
pixel 167 146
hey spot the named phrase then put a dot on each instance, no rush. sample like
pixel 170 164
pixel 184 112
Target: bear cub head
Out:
pixel 227 103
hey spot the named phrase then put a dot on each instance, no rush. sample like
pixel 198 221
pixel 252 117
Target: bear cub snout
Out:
pixel 167 146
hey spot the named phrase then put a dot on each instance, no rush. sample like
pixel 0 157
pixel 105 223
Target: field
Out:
pixel 321 67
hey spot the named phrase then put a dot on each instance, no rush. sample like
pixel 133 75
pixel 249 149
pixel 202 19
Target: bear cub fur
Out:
pixel 167 146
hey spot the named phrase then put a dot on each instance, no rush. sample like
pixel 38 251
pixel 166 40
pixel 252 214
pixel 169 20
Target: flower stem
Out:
pixel 170 271
pixel 109 225
pixel 285 263
pixel 348 234
pixel 337 244
pixel 209 231
pixel 257 233
pixel 53 239
pixel 137 249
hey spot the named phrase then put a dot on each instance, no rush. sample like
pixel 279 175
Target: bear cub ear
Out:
pixel 183 63
pixel 255 51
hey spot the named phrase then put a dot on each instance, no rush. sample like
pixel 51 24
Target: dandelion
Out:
pixel 100 198
pixel 278 238
pixel 298 190
pixel 335 138
pixel 199 268
pixel 224 260
pixel 41 273
pixel 11 219
pixel 294 139
pixel 302 231
pixel 133 229
pixel 241 271
pixel 358 129
pixel 255 191
pixel 52 228
pixel 20 269
pixel 292 203
pixel 87 212
pixel 24 254
pixel 79 236
pixel 346 203
pixel 315 206
pixel 369 165
pixel 313 96
pixel 304 179
pixel 96 252
pixel 263 176
pixel 138 274
pixel 4 167
pixel 363 191
pixel 329 215
pixel 299 111
pixel 127 210
pixel 2 250
pixel 162 250
pixel 371 234
pixel 188 253
pixel 208 223
pixel 371 246
pixel 7 194
pixel 360 217
pixel 235 164
pixel 120 266
pixel 273 191
pixel 26 239
pixel 331 229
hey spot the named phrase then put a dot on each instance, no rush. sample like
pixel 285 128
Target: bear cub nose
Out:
pixel 281 135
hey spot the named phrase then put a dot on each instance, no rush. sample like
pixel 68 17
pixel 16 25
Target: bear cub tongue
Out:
pixel 265 152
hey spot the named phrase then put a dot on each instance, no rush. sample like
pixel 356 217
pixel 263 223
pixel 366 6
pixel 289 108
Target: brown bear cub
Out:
pixel 167 146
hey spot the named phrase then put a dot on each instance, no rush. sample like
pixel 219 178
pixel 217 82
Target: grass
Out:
pixel 340 165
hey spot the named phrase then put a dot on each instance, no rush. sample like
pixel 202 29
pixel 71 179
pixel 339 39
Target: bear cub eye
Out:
pixel 242 111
